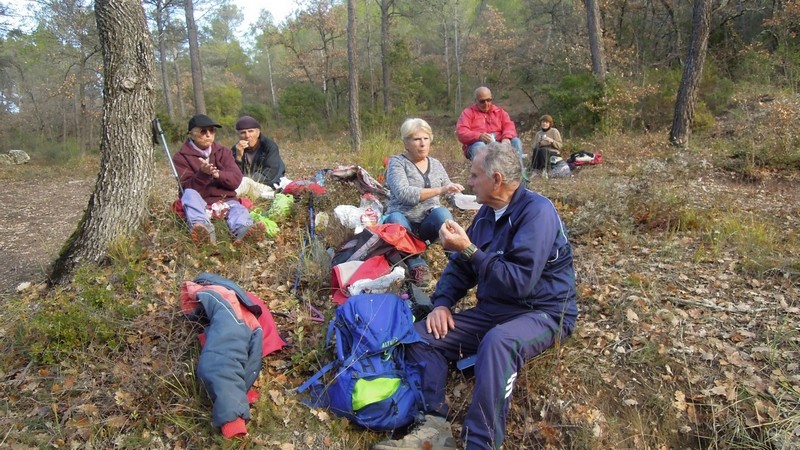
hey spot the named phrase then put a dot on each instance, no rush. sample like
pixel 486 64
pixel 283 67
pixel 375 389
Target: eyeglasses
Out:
pixel 485 100
pixel 207 131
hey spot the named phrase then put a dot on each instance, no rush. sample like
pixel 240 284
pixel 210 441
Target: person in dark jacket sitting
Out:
pixel 517 253
pixel 256 155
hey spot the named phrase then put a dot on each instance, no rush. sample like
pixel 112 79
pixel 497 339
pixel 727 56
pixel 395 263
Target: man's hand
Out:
pixel 486 138
pixel 453 237
pixel 546 139
pixel 440 321
pixel 240 147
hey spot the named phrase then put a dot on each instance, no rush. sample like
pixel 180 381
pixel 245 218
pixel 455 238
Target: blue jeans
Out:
pixel 427 230
pixel 194 206
pixel 473 149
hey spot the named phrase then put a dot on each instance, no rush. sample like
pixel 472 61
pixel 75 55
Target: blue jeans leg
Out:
pixel 429 228
pixel 474 148
pixel 517 144
pixel 194 207
pixel 238 219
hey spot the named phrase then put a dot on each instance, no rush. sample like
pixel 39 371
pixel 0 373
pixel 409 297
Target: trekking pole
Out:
pixel 309 239
pixel 158 132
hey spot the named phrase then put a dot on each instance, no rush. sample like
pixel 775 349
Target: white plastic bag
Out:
pixel 378 285
pixel 463 201
pixel 349 216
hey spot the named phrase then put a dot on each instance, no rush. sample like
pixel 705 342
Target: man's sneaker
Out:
pixel 203 233
pixel 433 433
pixel 421 276
pixel 253 233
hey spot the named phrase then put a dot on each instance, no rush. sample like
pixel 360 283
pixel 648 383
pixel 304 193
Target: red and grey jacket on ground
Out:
pixel 239 331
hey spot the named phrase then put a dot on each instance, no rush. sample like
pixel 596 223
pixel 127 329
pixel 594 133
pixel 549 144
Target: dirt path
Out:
pixel 39 213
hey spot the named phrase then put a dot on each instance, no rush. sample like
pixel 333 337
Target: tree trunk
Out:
pixel 162 58
pixel 447 61
pixel 194 56
pixel 119 201
pixel 271 84
pixel 352 63
pixel 387 82
pixel 692 72
pixel 457 54
pixel 372 93
pixel 676 43
pixel 178 85
pixel 596 39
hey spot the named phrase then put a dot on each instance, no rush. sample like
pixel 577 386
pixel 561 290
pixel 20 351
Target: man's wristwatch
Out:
pixel 467 253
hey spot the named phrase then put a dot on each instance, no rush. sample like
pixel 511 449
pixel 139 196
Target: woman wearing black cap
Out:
pixel 257 155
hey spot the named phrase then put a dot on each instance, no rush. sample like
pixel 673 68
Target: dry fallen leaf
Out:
pixel 277 397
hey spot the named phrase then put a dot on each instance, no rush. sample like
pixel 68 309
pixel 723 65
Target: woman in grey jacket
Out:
pixel 415 182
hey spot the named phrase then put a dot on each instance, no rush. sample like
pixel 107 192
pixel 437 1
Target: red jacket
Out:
pixel 187 163
pixel 473 122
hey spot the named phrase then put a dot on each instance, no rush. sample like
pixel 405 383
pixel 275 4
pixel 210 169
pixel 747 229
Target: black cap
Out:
pixel 202 121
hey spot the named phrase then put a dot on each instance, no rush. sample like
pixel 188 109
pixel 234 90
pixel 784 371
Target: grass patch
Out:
pixel 70 323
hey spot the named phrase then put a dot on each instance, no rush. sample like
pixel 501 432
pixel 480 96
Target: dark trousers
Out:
pixel 502 342
pixel 540 159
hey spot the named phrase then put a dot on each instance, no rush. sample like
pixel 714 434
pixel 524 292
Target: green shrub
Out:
pixel 703 118
pixel 577 102
pixel 717 93
pixel 657 106
pixel 263 113
pixel 69 323
pixel 301 105
pixel 62 152
pixel 406 85
pixel 223 103
pixel 173 131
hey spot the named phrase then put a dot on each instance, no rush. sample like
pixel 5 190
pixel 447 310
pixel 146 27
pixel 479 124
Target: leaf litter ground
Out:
pixel 676 347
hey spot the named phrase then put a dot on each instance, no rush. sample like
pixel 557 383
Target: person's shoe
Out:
pixel 421 276
pixel 203 233
pixel 253 233
pixel 433 433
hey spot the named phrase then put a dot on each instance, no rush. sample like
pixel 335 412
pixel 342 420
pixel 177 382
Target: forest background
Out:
pixel 687 250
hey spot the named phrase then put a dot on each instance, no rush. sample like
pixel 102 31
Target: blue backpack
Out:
pixel 372 385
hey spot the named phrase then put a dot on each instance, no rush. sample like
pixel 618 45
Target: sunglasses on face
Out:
pixel 209 131
pixel 485 100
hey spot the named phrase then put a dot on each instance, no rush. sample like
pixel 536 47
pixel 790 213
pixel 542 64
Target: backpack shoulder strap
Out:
pixel 327 367
pixel 315 378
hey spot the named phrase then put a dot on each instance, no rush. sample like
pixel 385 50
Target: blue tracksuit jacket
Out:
pixel 523 260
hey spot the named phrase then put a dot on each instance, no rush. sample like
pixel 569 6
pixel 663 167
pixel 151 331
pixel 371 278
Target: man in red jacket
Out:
pixel 209 177
pixel 484 122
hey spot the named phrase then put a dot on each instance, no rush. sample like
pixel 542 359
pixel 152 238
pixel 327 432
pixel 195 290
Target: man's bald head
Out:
pixel 483 98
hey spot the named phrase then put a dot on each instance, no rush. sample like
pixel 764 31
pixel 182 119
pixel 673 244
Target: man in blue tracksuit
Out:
pixel 517 253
